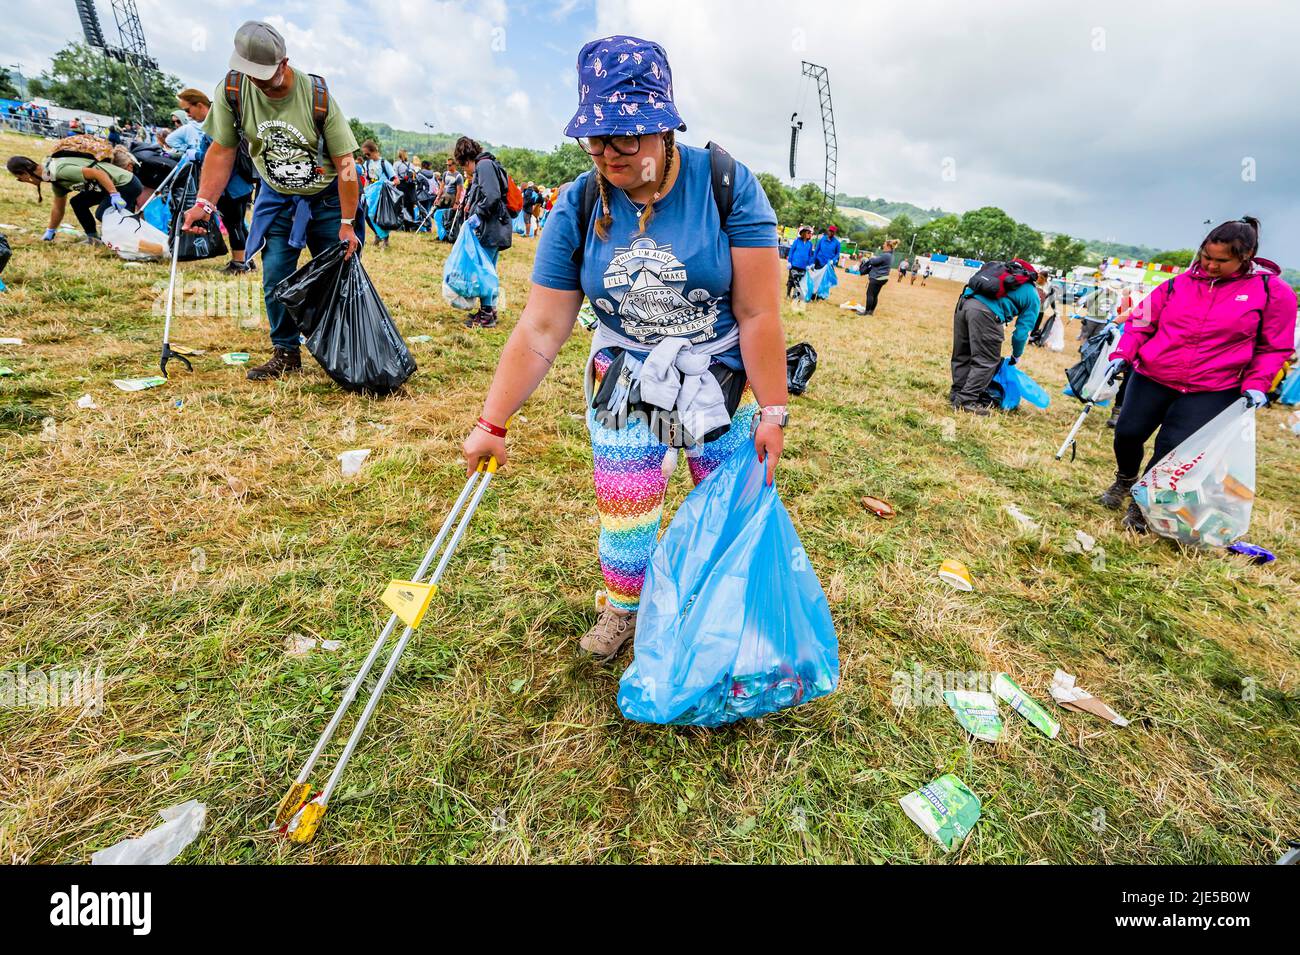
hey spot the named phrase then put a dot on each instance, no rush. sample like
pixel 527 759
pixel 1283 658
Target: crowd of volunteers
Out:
pixel 683 277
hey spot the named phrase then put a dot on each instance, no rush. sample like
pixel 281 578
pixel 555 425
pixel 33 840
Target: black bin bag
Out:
pixel 5 251
pixel 348 330
pixel 387 216
pixel 800 363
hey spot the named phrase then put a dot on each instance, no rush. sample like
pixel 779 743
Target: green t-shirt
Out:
pixel 281 135
pixel 66 177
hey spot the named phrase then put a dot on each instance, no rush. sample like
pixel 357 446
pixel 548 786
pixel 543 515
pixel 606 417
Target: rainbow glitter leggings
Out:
pixel 630 486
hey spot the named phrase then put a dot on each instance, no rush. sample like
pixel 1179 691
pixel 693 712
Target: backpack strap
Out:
pixel 722 167
pixel 320 110
pixel 234 99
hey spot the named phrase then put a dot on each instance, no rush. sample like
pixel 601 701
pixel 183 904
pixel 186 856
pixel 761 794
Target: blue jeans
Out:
pixel 280 260
pixel 491 302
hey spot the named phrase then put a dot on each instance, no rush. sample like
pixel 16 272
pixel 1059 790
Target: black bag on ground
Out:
pixel 348 329
pixel 5 251
pixel 387 214
pixel 181 195
pixel 800 363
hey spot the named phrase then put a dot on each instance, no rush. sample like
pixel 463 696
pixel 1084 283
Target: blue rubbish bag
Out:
pixel 1016 386
pixel 371 197
pixel 817 283
pixel 520 227
pixel 1289 393
pixel 438 221
pixel 468 273
pixel 733 622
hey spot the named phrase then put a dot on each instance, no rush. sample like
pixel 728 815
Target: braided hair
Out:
pixel 606 218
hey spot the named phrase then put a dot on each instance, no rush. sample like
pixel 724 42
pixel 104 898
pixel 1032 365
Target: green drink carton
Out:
pixel 945 810
pixel 1009 692
pixel 977 713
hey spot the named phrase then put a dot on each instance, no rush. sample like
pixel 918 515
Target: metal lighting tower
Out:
pixel 819 73
pixel 131 49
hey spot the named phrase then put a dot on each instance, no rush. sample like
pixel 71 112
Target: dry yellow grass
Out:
pixel 178 548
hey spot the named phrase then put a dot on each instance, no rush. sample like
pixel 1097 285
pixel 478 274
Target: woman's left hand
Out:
pixel 769 440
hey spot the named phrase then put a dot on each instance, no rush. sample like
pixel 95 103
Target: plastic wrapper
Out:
pixel 733 621
pixel 160 845
pixel 946 810
pixel 468 273
pixel 800 363
pixel 347 328
pixel 131 237
pixel 1201 493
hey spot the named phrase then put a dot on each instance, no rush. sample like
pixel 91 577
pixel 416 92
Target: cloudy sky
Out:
pixel 1132 121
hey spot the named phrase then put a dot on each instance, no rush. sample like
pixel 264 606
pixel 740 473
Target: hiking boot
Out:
pixel 237 268
pixel 1134 520
pixel 613 629
pixel 1113 419
pixel 975 408
pixel 1115 495
pixel 283 361
pixel 474 319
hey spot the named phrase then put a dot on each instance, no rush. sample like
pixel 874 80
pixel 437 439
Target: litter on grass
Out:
pixel 1072 697
pixel 160 845
pixel 6 371
pixel 946 810
pixel 139 384
pixel 87 402
pixel 977 713
pixel 420 339
pixel 1024 520
pixel 881 508
pixel 1082 543
pixel 955 574
pixel 1257 554
pixel 1007 690
pixel 235 358
pixel 11 341
pixel 352 461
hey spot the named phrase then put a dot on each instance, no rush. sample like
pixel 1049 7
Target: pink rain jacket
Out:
pixel 1197 333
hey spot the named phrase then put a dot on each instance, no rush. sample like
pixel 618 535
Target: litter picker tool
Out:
pixel 299 814
pixel 1090 381
pixel 167 353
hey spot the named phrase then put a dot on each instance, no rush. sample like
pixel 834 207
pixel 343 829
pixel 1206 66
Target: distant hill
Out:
pixel 890 210
pixel 874 219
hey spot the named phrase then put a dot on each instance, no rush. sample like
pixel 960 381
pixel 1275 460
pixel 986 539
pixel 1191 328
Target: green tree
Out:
pixel 80 77
pixel 1173 257
pixel 361 132
pixel 564 163
pixel 986 233
pixel 1064 253
pixel 939 235
pixel 7 88
pixel 775 191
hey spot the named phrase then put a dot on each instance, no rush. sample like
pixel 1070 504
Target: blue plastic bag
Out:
pixel 438 220
pixel 519 225
pixel 733 622
pixel 1017 386
pixel 1289 393
pixel 468 273
pixel 371 197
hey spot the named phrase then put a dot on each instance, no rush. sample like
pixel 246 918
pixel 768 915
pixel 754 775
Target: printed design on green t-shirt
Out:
pixel 288 156
pixel 648 283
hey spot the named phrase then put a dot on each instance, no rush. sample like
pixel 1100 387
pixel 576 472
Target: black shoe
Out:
pixel 1113 420
pixel 975 408
pixel 283 361
pixel 1115 495
pixel 474 319
pixel 1134 520
pixel 236 268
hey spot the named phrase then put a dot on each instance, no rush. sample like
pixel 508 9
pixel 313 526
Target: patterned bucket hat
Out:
pixel 625 88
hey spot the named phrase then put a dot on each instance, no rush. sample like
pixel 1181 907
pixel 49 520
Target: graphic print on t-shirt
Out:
pixel 648 285
pixel 290 158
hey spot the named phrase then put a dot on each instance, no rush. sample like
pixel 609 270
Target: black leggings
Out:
pixel 95 198
pixel 873 294
pixel 232 217
pixel 1149 405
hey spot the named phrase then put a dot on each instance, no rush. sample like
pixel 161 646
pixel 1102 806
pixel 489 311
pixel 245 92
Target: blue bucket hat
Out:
pixel 625 88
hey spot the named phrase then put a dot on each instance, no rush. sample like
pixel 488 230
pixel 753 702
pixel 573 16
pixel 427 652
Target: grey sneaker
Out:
pixel 613 629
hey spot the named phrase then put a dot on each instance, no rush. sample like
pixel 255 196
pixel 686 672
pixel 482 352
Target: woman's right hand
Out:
pixel 480 447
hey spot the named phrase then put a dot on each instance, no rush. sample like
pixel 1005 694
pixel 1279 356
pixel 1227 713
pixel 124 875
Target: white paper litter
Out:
pixel 87 402
pixel 1073 698
pixel 1023 519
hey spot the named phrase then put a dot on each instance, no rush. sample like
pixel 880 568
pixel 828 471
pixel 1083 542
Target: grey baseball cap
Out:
pixel 259 48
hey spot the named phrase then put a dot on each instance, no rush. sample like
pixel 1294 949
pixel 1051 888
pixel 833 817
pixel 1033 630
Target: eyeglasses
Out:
pixel 623 145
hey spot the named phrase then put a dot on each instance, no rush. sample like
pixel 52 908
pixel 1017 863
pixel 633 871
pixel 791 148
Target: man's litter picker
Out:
pixel 167 353
pixel 299 814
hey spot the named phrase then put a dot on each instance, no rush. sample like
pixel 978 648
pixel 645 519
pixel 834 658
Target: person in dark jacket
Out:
pixel 876 269
pixel 486 212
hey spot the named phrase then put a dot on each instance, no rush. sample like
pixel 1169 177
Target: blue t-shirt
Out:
pixel 675 279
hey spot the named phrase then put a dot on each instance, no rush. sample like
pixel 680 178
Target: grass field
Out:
pixel 178 546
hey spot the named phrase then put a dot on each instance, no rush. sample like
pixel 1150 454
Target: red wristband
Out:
pixel 490 428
